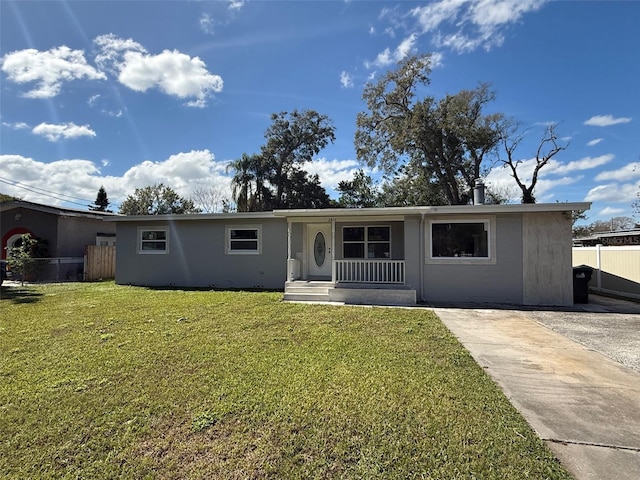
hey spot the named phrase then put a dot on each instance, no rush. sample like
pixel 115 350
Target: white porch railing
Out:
pixel 370 271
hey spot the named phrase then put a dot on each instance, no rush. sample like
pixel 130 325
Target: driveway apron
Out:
pixel 583 404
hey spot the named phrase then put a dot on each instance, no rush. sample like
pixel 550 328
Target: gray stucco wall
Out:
pixel 197 256
pixel 75 233
pixel 412 251
pixel 501 282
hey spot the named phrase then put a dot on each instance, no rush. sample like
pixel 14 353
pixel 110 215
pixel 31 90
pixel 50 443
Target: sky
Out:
pixel 126 94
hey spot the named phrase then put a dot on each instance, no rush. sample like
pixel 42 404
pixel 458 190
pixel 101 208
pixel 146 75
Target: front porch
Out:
pixel 359 260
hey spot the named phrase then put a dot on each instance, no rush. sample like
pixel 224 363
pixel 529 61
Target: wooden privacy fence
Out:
pixel 99 262
pixel 616 269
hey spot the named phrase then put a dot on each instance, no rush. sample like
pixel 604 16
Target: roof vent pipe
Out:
pixel 478 192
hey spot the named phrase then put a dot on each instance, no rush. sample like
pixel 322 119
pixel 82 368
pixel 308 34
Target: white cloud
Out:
pixel 406 47
pixel 16 125
pixel 627 172
pixel 206 23
pixel 113 113
pixel 82 178
pixel 611 212
pixel 235 5
pixel 346 80
pixel 594 142
pixel 49 69
pixel 112 50
pixel 585 163
pixel 382 59
pixel 171 71
pixel 92 100
pixel 54 132
pixel 613 192
pixel 475 23
pixel 62 177
pixel 331 172
pixel 606 120
pixel 436 59
pixel 219 14
pixel 387 57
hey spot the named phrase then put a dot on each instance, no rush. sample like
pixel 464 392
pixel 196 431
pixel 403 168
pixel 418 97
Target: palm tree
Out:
pixel 241 183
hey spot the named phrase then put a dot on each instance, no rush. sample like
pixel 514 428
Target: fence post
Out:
pixel 599 267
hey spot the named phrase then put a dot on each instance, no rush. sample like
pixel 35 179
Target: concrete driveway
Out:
pixel 573 373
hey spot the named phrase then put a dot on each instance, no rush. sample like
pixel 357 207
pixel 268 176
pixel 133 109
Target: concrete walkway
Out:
pixel 582 403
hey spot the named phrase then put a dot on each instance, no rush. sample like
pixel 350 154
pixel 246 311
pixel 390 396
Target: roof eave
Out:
pixel 437 210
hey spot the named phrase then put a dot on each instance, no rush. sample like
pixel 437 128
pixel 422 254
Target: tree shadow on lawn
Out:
pixel 19 294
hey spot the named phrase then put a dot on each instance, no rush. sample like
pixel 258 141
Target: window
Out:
pixel 462 241
pixel 243 239
pixel 366 242
pixel 153 240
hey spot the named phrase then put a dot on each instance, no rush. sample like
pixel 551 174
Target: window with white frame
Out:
pixel 460 239
pixel 366 242
pixel 153 240
pixel 243 239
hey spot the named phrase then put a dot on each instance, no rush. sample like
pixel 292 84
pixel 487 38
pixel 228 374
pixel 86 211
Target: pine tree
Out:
pixel 102 201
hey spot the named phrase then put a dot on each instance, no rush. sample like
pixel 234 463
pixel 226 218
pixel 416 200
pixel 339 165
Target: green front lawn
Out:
pixel 106 381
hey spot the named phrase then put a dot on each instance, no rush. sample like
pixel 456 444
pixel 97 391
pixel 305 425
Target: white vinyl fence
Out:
pixel 616 269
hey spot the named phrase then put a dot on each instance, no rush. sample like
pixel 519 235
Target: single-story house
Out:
pixel 514 254
pixel 66 231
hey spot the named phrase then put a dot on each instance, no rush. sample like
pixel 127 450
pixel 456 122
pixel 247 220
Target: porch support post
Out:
pixel 289 269
pixel 333 250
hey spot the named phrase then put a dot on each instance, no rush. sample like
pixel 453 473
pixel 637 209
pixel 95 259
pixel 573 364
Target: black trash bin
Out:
pixel 581 277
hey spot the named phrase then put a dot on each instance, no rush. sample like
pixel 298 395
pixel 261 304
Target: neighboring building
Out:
pixel 513 254
pixel 66 231
pixel 614 239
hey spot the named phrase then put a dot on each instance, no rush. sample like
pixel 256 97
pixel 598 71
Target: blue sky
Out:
pixel 127 94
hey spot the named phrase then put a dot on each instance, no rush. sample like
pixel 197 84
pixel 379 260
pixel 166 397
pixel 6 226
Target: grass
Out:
pixel 106 381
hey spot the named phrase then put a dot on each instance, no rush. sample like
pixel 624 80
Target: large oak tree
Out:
pixel 446 140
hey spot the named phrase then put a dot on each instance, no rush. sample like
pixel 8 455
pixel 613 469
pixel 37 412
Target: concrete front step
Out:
pixel 306 297
pixel 317 291
pixel 309 290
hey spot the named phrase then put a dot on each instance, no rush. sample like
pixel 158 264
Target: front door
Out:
pixel 319 250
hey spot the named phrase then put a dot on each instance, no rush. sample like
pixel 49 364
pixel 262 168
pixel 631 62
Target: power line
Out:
pixel 46 193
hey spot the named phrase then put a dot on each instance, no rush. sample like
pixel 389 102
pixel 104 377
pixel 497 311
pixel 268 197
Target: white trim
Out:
pixel 490 228
pixel 12 240
pixel 227 241
pixel 470 210
pixel 139 240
